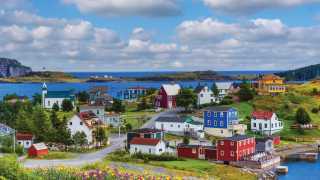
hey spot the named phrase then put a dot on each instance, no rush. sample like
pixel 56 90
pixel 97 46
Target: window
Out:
pixel 221 143
pixel 209 122
pixel 98 111
pixel 179 126
pixel 221 131
pixel 27 142
pixel 265 125
pixel 215 123
pixel 201 95
pixel 271 125
pixel 215 114
pixel 276 124
pixel 232 143
pixel 254 124
pixel 194 150
pixel 171 125
pixel 160 150
pixel 222 153
pixel 81 123
pixel 19 142
pixel 231 153
pixel 149 150
pixel 135 149
pixel 70 123
pixel 221 123
pixel 48 103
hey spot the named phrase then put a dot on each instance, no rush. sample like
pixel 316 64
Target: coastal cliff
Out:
pixel 12 68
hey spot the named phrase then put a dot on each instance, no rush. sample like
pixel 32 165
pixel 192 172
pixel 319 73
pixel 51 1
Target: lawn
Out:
pixel 57 155
pixel 137 118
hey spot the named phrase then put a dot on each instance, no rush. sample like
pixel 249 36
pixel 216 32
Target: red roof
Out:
pixel 145 141
pixel 24 136
pixel 267 115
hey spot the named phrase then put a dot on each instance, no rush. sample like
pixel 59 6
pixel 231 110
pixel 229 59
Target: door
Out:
pixel 260 126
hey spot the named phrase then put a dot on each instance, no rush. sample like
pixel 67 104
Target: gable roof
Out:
pixel 266 115
pixel 89 107
pixel 223 85
pixel 145 141
pixel 40 146
pixel 24 136
pixel 59 94
pixel 176 119
pixel 88 118
pixel 219 108
pixel 238 138
pixel 171 89
pixel 271 77
pixel 147 130
pixel 5 130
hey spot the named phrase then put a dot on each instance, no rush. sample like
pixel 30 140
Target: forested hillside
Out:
pixel 302 74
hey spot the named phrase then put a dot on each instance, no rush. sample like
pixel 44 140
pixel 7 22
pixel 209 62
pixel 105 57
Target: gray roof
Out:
pixel 170 119
pixel 219 108
pixel 237 137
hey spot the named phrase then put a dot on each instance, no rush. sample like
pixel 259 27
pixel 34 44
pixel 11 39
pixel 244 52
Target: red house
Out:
pixel 235 148
pixel 276 140
pixel 166 97
pixel 38 149
pixel 196 151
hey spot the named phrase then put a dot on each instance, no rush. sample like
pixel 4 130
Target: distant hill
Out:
pixel 183 76
pixel 301 74
pixel 12 68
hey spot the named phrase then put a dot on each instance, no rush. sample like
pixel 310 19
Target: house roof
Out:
pixel 137 88
pixel 238 138
pixel 88 118
pixel 40 146
pixel 171 89
pixel 147 130
pixel 223 85
pixel 266 115
pixel 4 129
pixel 59 94
pixel 145 141
pixel 176 119
pixel 181 145
pixel 24 136
pixel 219 108
pixel 87 107
pixel 271 77
pixel 190 120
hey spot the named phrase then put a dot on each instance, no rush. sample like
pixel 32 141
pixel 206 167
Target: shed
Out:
pixel 38 149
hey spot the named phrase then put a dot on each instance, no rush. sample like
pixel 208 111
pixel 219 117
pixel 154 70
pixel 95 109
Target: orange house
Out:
pixel 271 85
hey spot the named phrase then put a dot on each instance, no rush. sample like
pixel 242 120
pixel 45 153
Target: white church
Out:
pixel 49 98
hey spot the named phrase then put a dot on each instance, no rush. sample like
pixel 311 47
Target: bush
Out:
pixel 152 157
pixel 226 100
pixel 315 110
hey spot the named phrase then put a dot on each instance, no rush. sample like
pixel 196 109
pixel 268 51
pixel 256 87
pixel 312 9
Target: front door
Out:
pixel 260 126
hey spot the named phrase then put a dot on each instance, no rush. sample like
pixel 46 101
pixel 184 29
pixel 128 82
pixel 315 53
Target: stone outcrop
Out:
pixel 13 68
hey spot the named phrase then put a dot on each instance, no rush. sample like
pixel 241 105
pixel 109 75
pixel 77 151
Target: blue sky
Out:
pixel 144 35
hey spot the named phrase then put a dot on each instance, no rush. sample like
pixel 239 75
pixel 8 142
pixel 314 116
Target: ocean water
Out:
pixel 302 170
pixel 28 89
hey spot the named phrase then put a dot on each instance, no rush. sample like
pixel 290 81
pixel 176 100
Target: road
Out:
pixel 83 159
pixel 151 122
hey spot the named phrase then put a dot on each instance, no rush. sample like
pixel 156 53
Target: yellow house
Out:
pixel 271 85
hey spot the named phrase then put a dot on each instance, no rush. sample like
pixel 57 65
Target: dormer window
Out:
pixel 81 123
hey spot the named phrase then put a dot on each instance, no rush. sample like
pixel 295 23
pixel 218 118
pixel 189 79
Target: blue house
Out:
pixel 222 121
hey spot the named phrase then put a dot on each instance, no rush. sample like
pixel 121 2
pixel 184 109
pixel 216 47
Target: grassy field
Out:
pixel 285 106
pixel 137 118
pixel 56 155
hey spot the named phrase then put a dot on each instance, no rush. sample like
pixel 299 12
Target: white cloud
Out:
pixel 252 6
pixel 151 8
pixel 78 31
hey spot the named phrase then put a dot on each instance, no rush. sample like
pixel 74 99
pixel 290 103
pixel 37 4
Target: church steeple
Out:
pixel 44 86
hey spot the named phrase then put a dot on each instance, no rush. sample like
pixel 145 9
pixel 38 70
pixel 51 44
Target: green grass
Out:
pixel 137 118
pixel 57 155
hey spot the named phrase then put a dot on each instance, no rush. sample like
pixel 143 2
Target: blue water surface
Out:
pixel 302 170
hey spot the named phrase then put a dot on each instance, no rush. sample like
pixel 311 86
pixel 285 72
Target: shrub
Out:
pixel 152 157
pixel 315 110
pixel 302 116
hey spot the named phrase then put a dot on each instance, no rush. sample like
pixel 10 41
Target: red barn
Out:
pixel 166 97
pixel 38 149
pixel 196 151
pixel 235 148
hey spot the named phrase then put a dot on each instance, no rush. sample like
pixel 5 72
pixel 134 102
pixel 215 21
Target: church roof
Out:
pixel 60 94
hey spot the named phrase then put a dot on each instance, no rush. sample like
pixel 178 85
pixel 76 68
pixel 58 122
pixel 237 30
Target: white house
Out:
pixel 97 110
pixel 204 95
pixel 177 124
pixel 265 122
pixel 25 139
pixel 147 146
pixel 49 98
pixel 112 118
pixel 83 122
pixel 224 89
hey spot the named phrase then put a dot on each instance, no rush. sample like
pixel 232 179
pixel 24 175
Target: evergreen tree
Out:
pixel 117 106
pixel 80 138
pixel 302 116
pixel 36 99
pixel 214 89
pixel 55 107
pixel 186 140
pixel 245 93
pixel 42 125
pixel 83 96
pixel 67 105
pixel 143 104
pixel 24 123
pixel 55 121
pixel 186 98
